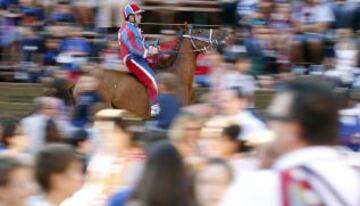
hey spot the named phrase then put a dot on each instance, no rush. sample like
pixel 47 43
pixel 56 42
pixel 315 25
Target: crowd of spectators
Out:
pixel 302 150
pixel 206 156
pixel 40 37
pixel 301 37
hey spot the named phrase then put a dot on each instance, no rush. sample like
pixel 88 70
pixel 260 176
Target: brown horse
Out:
pixel 123 91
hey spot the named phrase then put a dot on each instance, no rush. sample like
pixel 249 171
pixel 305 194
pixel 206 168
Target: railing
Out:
pixel 16 99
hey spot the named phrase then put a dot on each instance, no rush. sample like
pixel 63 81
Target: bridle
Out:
pixel 210 41
pixel 196 49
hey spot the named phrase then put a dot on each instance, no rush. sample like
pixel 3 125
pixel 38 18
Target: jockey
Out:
pixel 134 51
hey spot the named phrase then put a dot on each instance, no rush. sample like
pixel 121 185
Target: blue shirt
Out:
pixel 50 57
pixel 61 17
pixel 346 15
pixel 4 4
pixel 31 11
pixel 75 45
pixel 2 147
pixel 30 45
pixel 120 198
pixel 349 131
pixel 83 108
pixel 169 107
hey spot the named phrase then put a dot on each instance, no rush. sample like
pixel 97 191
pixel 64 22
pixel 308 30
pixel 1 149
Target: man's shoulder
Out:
pixel 30 118
pixel 127 30
pixel 256 181
pixel 249 118
pixel 248 187
pixel 38 201
pixel 266 175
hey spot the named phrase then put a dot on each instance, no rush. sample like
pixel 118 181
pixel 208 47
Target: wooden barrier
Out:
pixel 16 99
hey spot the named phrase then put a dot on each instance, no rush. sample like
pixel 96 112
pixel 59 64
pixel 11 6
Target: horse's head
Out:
pixel 203 39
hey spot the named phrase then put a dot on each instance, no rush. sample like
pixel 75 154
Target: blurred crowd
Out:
pixel 303 149
pixel 205 155
pixel 298 37
pixel 38 38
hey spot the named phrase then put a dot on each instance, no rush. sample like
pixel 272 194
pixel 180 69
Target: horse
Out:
pixel 122 90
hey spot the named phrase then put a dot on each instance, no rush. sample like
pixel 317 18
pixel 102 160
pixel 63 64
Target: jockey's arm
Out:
pixel 148 48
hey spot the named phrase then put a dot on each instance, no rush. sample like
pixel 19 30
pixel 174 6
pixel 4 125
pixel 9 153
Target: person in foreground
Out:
pixel 59 172
pixel 309 170
pixel 15 181
pixel 165 180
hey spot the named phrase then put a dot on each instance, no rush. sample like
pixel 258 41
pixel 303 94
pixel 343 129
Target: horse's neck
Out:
pixel 185 63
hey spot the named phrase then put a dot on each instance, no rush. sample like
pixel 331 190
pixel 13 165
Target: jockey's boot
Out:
pixel 155 110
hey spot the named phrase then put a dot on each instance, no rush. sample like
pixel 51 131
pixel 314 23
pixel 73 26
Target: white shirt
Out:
pixel 235 79
pixel 314 14
pixel 247 7
pixel 243 165
pixel 261 188
pixel 251 126
pixel 38 201
pixel 34 129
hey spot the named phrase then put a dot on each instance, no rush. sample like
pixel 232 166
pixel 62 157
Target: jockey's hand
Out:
pixel 153 50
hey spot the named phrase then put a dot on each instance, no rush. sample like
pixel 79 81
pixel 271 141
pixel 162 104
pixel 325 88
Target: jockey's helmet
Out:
pixel 131 9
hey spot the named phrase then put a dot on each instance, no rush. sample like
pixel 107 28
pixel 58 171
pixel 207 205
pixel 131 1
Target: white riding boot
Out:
pixel 155 110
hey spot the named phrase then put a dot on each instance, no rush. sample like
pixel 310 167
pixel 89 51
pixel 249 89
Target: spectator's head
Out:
pixel 266 6
pixel 75 32
pixel 169 83
pixel 230 38
pixel 59 86
pixel 112 42
pixel 62 14
pixel 29 32
pixel 63 6
pixel 212 181
pixel 165 180
pixel 46 106
pixel 12 136
pixel 52 132
pixel 304 113
pixel 15 181
pixel 117 128
pixel 284 9
pixel 311 2
pixel 27 2
pixel 58 170
pixel 52 43
pixel 1 132
pixel 229 143
pixel 233 101
pixel 243 64
pixel 186 129
pixel 81 141
pixel 215 59
pixel 355 96
pixel 345 33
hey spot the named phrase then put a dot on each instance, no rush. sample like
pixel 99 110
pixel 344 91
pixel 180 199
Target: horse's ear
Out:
pixel 186 27
pixel 182 28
